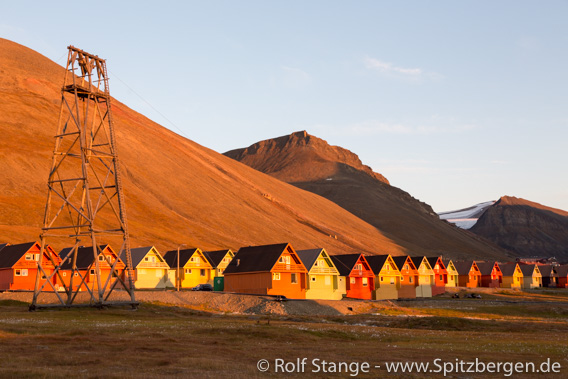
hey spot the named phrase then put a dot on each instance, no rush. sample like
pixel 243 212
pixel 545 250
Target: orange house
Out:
pixel 469 274
pixel 360 278
pixel 267 270
pixel 440 275
pixel 18 266
pixel 84 273
pixel 491 275
pixel 408 277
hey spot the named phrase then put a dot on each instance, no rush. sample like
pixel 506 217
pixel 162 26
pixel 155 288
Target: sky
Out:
pixel 456 103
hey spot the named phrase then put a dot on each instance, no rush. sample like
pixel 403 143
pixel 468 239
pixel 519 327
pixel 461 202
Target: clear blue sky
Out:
pixel 455 102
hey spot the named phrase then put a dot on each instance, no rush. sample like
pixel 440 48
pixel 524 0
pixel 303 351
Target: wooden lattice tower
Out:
pixel 85 203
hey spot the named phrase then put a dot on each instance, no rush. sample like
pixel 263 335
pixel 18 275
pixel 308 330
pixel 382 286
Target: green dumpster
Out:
pixel 218 283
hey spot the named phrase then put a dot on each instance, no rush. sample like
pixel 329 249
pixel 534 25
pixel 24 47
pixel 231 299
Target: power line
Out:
pixel 150 105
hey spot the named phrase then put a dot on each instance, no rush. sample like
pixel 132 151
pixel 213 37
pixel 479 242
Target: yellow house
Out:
pixel 453 275
pixel 150 268
pixel 532 278
pixel 194 268
pixel 387 276
pixel 219 260
pixel 324 281
pixel 425 277
pixel 512 275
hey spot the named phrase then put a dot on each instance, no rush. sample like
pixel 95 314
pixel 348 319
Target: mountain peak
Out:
pixel 512 201
pixel 301 157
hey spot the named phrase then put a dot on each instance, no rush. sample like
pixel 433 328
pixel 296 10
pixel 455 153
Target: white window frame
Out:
pixel 294 278
pixel 275 276
pixel 366 282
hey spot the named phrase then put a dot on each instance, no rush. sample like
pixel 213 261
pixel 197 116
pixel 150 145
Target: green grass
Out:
pixel 168 341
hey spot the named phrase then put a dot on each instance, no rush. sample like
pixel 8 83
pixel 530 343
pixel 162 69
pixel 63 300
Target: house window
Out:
pixel 36 257
pixel 188 271
pixel 402 278
pixel 153 259
pixel 382 278
pixel 275 276
pixel 24 272
pixel 76 274
pixel 28 257
pixel 352 280
pixel 202 272
pixel 294 278
pixel 392 280
pixel 441 277
pixel 146 259
pixel 437 267
pixel 284 259
pixel 63 273
pixel 18 273
pixel 194 259
pixel 313 278
pixel 365 282
pixel 92 272
pixel 226 260
pixel 406 267
pixel 101 258
pixel 410 279
pixel 142 271
pixel 387 267
pixel 359 266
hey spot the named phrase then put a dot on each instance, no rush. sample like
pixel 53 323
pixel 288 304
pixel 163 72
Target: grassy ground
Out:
pixel 171 341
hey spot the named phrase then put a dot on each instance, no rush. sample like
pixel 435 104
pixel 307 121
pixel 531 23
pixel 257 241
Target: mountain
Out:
pixel 337 174
pixel 467 217
pixel 526 228
pixel 176 190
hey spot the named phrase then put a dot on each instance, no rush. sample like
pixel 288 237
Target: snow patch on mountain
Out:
pixel 467 217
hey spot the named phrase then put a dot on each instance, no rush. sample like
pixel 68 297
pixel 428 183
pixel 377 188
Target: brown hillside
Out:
pixel 526 228
pixel 176 190
pixel 337 174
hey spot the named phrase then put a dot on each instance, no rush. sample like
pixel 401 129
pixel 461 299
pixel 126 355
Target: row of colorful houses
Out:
pixel 275 269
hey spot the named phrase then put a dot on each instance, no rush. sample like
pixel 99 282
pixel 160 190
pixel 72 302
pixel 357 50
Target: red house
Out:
pixel 360 278
pixel 491 275
pixel 562 276
pixel 408 277
pixel 440 275
pixel 18 266
pixel 84 274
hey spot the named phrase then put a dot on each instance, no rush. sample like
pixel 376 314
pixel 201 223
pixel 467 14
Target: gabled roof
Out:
pixel 255 258
pixel 561 270
pixel 418 261
pixel 345 263
pixel 85 257
pixel 527 270
pixel 309 257
pixel 486 268
pixel 547 270
pixel 463 267
pixel 137 254
pixel 433 261
pixel 215 257
pixel 508 269
pixel 400 261
pixel 184 255
pixel 11 254
pixel 376 262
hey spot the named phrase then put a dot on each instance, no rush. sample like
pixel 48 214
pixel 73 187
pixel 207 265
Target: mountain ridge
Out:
pixel 310 163
pixel 176 190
